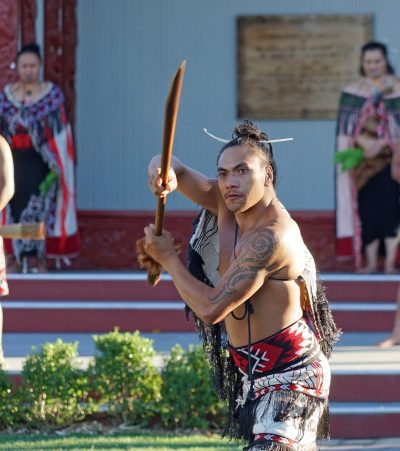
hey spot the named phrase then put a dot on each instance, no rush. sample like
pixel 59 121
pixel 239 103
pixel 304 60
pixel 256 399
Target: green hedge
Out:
pixel 55 392
pixel 123 381
pixel 10 411
pixel 187 396
pixel 125 377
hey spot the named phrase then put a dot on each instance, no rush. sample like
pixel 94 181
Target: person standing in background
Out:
pixel 34 122
pixel 6 193
pixel 394 338
pixel 367 196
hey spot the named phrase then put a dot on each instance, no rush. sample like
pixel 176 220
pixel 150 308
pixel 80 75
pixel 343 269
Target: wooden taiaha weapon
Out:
pixel 171 113
pixel 33 231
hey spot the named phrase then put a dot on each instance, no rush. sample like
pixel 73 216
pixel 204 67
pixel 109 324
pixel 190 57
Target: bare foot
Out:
pixel 391 271
pixel 14 266
pixel 368 270
pixel 37 265
pixel 393 340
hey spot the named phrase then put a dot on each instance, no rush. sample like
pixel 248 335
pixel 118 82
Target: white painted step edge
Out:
pixel 142 276
pixel 167 305
pixel 357 408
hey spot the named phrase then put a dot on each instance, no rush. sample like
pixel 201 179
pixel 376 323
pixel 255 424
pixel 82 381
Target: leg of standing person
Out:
pixel 371 255
pixel 391 245
pixel 394 338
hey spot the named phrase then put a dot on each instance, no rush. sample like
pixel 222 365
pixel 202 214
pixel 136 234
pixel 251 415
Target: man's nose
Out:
pixel 231 181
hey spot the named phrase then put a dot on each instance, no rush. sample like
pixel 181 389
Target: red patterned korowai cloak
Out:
pixel 44 163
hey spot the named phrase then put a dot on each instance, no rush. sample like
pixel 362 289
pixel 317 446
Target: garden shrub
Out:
pixel 54 390
pixel 125 377
pixel 187 396
pixel 10 412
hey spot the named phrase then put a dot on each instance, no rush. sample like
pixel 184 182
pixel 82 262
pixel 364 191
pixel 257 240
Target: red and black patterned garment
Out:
pixel 44 163
pixel 278 351
pixel 286 381
pixel 274 360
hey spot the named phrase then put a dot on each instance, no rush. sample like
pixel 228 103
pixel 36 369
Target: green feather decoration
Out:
pixel 48 182
pixel 349 158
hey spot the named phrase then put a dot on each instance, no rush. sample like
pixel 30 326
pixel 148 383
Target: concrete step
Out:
pixel 96 286
pixel 364 420
pixel 133 285
pixel 97 302
pixel 364 317
pixel 87 315
pixel 365 374
pixel 361 287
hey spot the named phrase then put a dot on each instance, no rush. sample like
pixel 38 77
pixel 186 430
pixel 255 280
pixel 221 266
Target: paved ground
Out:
pixel 20 344
pixel 355 351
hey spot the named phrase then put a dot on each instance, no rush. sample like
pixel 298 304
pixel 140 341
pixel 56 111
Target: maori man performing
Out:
pixel 253 293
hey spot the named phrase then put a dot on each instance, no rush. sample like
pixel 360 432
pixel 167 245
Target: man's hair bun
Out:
pixel 247 130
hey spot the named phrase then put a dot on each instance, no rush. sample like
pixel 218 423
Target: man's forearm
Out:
pixel 6 173
pixel 195 293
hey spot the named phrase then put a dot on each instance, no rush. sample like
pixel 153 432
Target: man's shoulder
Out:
pixel 279 233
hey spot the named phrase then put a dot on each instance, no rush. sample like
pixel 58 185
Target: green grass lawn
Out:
pixel 114 442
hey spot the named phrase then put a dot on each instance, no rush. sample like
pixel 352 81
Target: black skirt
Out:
pixel 29 172
pixel 379 207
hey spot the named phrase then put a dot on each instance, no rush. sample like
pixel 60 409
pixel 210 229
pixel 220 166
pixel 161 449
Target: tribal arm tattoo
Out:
pixel 255 259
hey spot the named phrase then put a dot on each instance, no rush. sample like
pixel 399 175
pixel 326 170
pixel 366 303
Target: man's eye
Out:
pixel 221 174
pixel 242 170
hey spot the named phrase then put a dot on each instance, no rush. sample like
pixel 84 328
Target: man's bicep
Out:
pixel 237 285
pixel 247 273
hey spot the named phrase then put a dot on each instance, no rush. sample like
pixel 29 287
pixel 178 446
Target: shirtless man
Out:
pixel 261 259
pixel 6 193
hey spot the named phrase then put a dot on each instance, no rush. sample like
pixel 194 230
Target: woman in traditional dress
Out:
pixel 368 130
pixel 33 120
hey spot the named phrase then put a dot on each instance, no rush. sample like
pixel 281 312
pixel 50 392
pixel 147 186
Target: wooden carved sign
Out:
pixel 294 67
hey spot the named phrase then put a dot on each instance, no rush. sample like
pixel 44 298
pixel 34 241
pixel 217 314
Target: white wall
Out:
pixel 128 51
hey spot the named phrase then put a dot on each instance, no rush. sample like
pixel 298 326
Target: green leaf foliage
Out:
pixel 10 412
pixel 125 376
pixel 55 391
pixel 187 396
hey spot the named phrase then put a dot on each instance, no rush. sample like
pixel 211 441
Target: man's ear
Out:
pixel 269 176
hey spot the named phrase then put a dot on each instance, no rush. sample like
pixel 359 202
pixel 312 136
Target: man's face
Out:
pixel 374 64
pixel 28 67
pixel 242 178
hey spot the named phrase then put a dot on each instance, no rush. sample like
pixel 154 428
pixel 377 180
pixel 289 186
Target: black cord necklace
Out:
pixel 248 310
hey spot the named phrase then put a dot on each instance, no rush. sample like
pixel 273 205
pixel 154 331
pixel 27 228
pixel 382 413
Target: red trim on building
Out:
pixel 108 237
